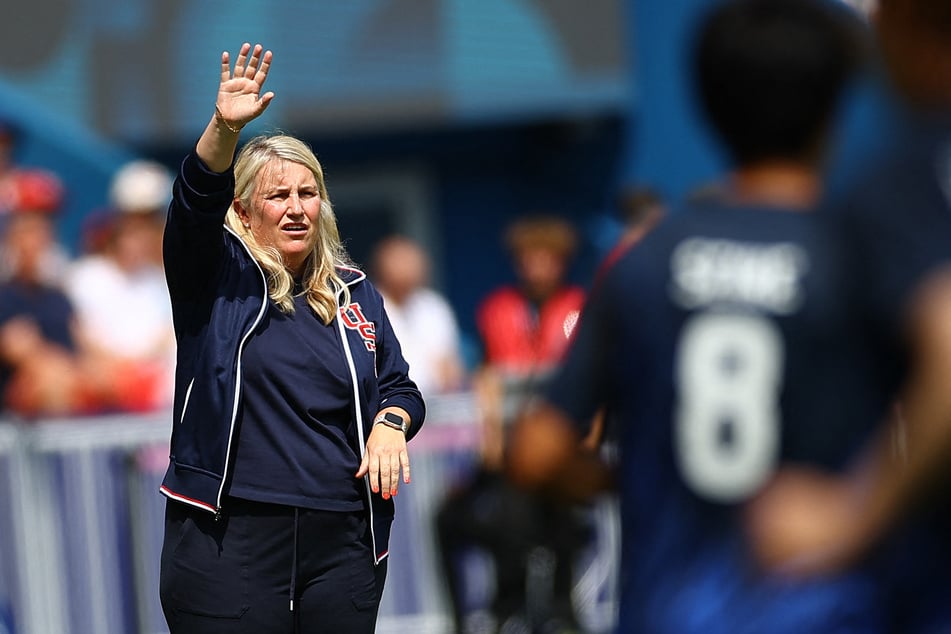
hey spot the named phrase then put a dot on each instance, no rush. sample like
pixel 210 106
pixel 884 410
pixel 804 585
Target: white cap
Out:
pixel 141 186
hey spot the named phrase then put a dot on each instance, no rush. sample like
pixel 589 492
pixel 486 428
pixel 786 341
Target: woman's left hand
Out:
pixel 386 454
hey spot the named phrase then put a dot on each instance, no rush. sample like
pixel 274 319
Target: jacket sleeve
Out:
pixel 396 388
pixel 194 237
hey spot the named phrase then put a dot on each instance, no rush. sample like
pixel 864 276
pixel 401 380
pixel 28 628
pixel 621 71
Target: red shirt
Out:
pixel 519 339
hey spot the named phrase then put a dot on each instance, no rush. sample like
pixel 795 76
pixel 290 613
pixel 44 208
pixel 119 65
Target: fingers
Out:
pixel 386 468
pixel 225 66
pixel 364 466
pixel 387 478
pixel 239 66
pixel 390 472
pixel 261 74
pixel 252 67
pixel 252 63
pixel 383 461
pixel 404 460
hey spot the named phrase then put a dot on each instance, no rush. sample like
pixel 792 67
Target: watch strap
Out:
pixel 392 420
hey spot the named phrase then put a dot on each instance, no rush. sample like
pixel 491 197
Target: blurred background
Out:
pixel 438 120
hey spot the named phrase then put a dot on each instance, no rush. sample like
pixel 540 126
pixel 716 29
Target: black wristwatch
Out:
pixel 392 420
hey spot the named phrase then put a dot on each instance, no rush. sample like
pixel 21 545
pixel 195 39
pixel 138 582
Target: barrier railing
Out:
pixel 81 525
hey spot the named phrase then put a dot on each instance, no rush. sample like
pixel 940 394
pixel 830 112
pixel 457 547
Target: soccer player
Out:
pixel 728 342
pixel 899 215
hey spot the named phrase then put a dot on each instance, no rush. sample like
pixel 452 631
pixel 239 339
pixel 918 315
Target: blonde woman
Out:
pixel 293 402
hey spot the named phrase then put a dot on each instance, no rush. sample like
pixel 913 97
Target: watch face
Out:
pixel 395 420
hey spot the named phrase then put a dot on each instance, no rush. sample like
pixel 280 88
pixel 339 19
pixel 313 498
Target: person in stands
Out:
pixel 524 329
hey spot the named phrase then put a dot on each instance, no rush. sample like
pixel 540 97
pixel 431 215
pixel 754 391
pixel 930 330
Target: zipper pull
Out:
pixel 217 514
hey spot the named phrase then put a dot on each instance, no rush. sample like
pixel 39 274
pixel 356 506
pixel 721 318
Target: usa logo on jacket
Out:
pixel 353 318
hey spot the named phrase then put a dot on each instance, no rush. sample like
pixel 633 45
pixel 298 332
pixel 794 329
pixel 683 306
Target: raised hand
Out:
pixel 239 93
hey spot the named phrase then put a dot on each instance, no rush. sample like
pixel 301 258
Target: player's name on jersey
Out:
pixel 767 276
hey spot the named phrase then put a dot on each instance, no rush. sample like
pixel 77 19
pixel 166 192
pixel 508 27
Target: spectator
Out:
pixel 29 190
pixel 8 143
pixel 524 329
pixel 123 311
pixel 41 373
pixel 422 319
pixel 22 189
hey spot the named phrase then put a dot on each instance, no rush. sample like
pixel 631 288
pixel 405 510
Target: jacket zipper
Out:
pixel 359 416
pixel 237 380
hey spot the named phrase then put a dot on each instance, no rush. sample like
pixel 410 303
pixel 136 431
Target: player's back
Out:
pixel 733 343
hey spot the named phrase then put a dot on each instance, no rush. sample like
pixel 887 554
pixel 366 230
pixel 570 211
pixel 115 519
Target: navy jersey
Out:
pixel 726 343
pixel 899 219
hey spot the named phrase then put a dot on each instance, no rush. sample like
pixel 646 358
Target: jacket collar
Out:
pixel 351 276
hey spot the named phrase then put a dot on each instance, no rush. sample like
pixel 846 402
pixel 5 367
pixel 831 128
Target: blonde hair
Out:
pixel 321 281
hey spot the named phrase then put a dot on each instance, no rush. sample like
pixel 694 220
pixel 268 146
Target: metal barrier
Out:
pixel 81 525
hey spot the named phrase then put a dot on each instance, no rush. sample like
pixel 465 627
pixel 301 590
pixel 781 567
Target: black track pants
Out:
pixel 237 575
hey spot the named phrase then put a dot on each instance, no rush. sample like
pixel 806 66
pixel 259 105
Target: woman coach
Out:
pixel 293 403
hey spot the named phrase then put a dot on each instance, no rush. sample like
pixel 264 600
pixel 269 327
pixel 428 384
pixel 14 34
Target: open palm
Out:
pixel 239 93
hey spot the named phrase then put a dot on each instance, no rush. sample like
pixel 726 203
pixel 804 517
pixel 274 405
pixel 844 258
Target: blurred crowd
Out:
pixel 86 333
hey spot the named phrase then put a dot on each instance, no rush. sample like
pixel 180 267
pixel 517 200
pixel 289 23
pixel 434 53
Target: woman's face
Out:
pixel 283 211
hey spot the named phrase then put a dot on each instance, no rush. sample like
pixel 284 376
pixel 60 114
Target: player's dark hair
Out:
pixel 769 73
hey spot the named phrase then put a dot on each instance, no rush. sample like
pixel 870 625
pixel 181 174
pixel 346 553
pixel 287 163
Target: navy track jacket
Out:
pixel 219 294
